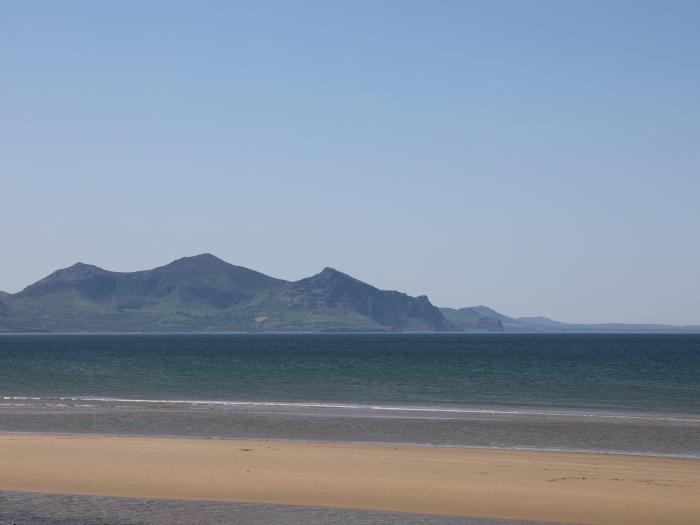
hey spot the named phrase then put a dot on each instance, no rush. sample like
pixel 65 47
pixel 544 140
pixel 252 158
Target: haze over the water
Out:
pixel 538 157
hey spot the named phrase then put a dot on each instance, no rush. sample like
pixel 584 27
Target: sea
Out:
pixel 636 394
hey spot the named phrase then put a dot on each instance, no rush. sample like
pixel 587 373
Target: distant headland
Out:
pixel 206 294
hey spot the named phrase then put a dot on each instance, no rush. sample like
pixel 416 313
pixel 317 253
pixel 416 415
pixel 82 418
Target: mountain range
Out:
pixel 206 294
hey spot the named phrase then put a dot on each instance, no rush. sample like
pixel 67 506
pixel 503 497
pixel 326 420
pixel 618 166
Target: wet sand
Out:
pixel 541 486
pixel 32 508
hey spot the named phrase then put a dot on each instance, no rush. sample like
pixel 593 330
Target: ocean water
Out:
pixel 633 394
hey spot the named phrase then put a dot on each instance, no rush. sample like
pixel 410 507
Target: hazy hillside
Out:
pixel 4 309
pixel 202 282
pixel 204 293
pixel 471 319
pixel 334 293
pixel 464 317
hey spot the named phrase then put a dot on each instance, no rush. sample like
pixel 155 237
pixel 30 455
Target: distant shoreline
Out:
pixel 206 294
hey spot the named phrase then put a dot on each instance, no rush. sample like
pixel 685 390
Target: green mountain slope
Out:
pixel 472 319
pixel 4 310
pixel 203 282
pixel 204 293
pixel 344 301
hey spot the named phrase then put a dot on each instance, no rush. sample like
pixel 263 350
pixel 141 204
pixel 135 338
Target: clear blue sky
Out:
pixel 540 157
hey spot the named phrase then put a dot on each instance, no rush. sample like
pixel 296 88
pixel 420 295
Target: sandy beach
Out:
pixel 545 486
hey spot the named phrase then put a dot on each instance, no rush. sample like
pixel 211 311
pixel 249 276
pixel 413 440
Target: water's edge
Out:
pixel 615 394
pixel 27 508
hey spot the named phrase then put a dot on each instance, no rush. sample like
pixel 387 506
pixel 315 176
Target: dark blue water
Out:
pixel 616 393
pixel 628 372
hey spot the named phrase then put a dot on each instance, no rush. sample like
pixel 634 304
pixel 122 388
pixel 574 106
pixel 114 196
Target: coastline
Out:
pixel 391 444
pixel 504 484
pixel 541 429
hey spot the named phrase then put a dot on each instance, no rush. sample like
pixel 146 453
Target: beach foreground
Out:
pixel 543 486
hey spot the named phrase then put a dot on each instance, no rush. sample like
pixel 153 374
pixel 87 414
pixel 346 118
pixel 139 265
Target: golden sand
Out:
pixel 546 486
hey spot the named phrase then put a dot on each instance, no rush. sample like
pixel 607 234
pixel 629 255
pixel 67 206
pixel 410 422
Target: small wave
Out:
pixel 37 405
pixel 365 407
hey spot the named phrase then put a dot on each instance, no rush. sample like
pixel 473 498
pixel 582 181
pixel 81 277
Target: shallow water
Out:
pixel 50 509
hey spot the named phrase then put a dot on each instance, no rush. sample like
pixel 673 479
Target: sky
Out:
pixel 539 157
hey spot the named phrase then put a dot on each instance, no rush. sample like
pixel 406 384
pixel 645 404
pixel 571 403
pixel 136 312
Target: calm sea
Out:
pixel 636 394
